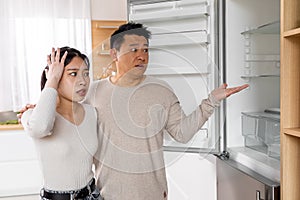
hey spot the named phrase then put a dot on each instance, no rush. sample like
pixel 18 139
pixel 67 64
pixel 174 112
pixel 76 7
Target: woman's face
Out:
pixel 75 81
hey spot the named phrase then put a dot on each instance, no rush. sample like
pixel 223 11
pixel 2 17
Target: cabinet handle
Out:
pixel 258 195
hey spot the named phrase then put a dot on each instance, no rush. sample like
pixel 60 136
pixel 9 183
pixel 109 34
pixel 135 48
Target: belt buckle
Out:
pixel 89 189
pixel 73 195
pixel 76 193
pixel 42 192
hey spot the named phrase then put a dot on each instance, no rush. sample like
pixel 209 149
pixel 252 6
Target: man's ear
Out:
pixel 113 54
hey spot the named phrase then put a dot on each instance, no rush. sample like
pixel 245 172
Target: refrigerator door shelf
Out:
pixel 170 15
pixel 179 38
pixel 164 11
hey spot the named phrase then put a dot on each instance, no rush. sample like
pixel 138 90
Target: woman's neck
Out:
pixel 72 111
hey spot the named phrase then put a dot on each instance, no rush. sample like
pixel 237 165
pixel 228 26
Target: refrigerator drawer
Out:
pixel 255 144
pixel 261 131
pixel 236 182
pixel 252 124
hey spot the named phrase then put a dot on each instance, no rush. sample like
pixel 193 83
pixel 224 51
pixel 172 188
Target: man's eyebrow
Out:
pixel 135 44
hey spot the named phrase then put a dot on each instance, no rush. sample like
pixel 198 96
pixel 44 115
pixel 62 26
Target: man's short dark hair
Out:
pixel 131 28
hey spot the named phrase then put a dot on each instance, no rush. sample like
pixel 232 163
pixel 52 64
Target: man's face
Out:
pixel 133 55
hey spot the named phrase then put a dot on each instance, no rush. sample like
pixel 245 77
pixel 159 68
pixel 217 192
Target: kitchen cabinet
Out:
pixel 19 168
pixel 290 99
pixel 101 60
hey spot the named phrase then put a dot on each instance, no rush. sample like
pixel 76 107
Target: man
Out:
pixel 134 111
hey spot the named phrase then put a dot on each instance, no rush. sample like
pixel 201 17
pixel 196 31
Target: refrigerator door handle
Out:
pixel 258 195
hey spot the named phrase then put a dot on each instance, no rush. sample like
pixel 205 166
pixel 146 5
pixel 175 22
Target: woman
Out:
pixel 64 130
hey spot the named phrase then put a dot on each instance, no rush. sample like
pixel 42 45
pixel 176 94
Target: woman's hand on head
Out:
pixel 56 68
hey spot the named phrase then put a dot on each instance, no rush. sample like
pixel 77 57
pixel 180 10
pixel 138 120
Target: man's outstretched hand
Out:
pixel 223 92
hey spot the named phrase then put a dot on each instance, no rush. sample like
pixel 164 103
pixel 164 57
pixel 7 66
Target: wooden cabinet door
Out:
pixel 101 60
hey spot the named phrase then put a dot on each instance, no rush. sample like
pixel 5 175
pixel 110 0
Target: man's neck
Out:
pixel 127 80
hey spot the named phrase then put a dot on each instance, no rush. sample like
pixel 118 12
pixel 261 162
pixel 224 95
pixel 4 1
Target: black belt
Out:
pixel 80 194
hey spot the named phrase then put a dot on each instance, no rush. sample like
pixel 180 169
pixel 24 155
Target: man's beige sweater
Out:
pixel 133 120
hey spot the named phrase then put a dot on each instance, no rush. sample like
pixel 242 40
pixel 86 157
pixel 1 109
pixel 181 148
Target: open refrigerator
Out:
pixel 199 44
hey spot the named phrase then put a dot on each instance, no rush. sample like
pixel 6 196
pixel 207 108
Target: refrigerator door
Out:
pixel 183 53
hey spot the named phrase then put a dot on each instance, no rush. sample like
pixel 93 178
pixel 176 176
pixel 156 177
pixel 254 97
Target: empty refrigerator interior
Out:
pixel 253 57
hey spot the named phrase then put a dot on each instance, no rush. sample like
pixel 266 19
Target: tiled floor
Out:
pixel 25 197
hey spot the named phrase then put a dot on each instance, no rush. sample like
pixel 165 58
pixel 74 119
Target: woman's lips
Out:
pixel 81 92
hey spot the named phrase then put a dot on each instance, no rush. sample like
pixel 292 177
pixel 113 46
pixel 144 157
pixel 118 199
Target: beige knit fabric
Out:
pixel 133 121
pixel 65 150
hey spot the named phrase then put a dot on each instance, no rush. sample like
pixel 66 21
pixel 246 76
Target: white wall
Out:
pixel 109 10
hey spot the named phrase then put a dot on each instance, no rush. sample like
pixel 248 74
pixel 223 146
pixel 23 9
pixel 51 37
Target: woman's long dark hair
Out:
pixel 71 54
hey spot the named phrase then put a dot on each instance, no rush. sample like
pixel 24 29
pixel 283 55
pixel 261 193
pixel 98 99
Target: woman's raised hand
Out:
pixel 55 68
